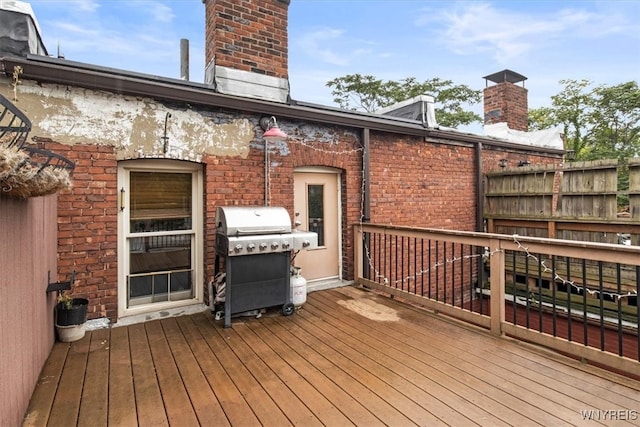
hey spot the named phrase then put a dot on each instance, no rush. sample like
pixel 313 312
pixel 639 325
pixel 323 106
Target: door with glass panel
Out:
pixel 159 235
pixel 316 196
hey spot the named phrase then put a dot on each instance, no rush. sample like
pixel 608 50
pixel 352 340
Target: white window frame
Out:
pixel 148 165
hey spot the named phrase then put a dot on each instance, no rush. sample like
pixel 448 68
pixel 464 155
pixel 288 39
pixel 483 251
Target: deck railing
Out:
pixel 575 297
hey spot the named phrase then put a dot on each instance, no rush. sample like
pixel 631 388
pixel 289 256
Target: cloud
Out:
pixel 316 42
pixel 331 46
pixel 506 35
pixel 76 30
pixel 85 5
pixel 159 11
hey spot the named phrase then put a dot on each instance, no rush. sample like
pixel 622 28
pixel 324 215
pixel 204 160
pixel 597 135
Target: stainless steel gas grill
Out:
pixel 256 243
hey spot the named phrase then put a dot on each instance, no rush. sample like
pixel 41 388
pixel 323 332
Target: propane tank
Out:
pixel 298 287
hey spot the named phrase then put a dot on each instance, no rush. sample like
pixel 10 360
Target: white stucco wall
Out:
pixel 134 126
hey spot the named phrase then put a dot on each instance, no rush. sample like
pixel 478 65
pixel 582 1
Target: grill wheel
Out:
pixel 288 309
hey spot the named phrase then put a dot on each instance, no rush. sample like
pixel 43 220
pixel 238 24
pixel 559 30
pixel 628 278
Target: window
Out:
pixel 160 234
pixel 315 209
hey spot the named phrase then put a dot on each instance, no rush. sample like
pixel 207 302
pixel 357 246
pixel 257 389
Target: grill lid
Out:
pixel 245 221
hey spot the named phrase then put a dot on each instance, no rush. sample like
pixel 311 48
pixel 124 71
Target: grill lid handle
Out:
pixel 261 231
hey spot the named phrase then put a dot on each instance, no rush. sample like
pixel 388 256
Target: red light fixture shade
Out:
pixel 273 132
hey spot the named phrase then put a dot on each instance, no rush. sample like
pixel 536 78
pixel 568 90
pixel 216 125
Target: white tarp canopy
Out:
pixel 549 138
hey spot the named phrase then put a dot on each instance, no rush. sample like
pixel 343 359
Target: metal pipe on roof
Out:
pixel 184 59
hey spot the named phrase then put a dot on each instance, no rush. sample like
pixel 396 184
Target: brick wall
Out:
pixel 88 226
pixel 506 103
pixel 248 35
pixel 240 181
pixel 413 182
pixel 422 184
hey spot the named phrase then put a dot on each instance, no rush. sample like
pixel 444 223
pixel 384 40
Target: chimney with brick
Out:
pixel 506 102
pixel 246 48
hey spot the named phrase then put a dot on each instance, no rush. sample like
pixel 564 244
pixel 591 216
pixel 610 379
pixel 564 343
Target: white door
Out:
pixel 160 237
pixel 316 204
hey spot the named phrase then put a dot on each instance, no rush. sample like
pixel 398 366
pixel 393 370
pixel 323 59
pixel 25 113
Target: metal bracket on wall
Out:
pixel 60 286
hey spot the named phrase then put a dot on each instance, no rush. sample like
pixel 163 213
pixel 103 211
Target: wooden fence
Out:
pixel 27 263
pixel 574 201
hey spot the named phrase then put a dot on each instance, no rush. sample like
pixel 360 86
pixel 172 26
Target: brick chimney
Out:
pixel 246 48
pixel 506 102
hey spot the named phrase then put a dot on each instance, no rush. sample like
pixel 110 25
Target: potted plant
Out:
pixel 70 315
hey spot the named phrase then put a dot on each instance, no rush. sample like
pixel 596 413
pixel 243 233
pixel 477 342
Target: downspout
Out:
pixel 366 195
pixel 479 210
pixel 479 189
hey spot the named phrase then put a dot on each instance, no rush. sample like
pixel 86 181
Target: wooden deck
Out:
pixel 348 357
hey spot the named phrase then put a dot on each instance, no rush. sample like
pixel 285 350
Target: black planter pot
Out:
pixel 76 315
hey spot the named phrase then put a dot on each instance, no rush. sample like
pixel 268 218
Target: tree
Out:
pixel 367 93
pixel 616 121
pixel 599 122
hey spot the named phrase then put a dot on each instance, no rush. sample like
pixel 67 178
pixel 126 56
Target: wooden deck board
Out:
pixel 434 354
pixel 94 400
pixel 419 373
pixel 39 408
pixel 122 399
pixel 66 403
pixel 279 340
pixel 330 364
pixel 174 395
pixel 236 409
pixel 258 399
pixel 321 411
pixel 308 348
pixel 204 402
pixel 441 370
pixel 510 367
pixel 276 387
pixel 149 405
pixel 395 390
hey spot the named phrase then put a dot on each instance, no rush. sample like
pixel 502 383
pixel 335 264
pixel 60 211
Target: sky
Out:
pixel 461 41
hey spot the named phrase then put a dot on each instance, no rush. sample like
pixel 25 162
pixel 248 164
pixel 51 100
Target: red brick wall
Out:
pixel 237 181
pixel 506 103
pixel 412 183
pixel 491 159
pixel 249 35
pixel 422 184
pixel 88 226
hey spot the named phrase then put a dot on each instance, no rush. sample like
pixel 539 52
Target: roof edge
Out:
pixel 62 71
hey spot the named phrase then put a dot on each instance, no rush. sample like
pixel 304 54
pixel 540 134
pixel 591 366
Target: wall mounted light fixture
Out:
pixel 503 163
pixel 272 131
pixel 570 155
pixel 524 163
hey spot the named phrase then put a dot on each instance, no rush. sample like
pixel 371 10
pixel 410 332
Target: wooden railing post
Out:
pixel 551 229
pixel 357 253
pixel 497 286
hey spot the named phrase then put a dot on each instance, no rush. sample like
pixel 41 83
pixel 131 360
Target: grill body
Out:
pixel 256 245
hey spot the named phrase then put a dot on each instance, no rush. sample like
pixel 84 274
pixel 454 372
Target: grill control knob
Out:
pixel 263 246
pixel 237 248
pixel 306 243
pixel 251 247
pixel 285 245
pixel 275 245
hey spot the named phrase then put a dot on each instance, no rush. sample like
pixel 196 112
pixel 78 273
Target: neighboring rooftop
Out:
pixel 19 30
